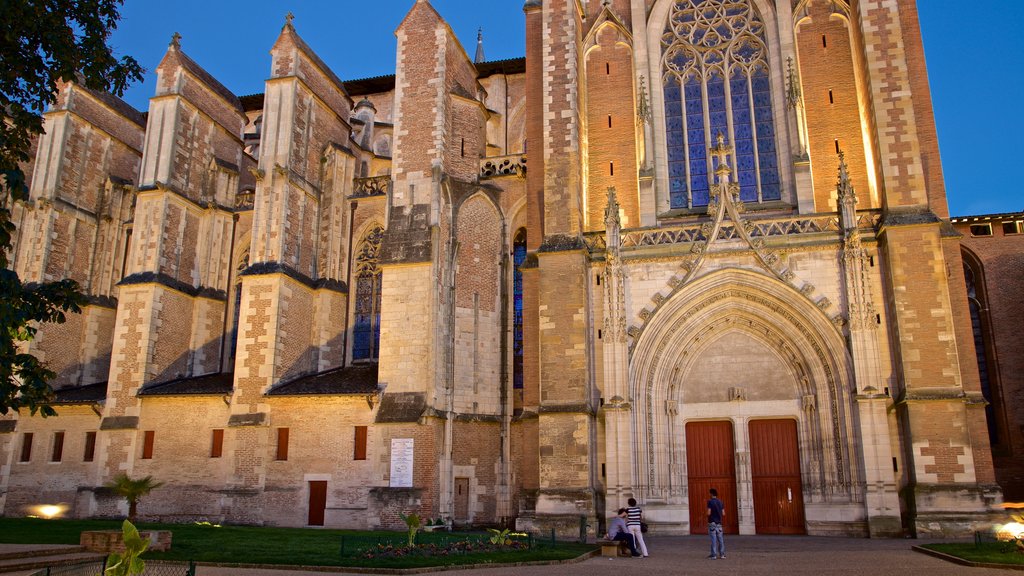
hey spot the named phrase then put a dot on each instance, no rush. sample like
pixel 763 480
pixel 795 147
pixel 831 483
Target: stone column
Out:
pixel 881 491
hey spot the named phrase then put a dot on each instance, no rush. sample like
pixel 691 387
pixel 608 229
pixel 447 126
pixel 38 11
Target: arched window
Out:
pixel 979 324
pixel 715 76
pixel 366 331
pixel 518 257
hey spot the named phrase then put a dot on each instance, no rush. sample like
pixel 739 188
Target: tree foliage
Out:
pixel 43 43
pixel 132 490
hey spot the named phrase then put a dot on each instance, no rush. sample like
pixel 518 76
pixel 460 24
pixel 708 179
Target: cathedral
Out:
pixel 681 244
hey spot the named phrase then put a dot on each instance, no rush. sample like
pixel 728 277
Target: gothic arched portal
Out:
pixel 736 345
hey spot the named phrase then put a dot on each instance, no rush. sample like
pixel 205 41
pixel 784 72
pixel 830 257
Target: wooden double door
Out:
pixel 774 472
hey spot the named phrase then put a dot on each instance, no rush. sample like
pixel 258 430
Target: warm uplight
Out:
pixel 50 511
pixel 1015 529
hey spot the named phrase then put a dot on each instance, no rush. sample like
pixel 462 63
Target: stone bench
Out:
pixel 613 548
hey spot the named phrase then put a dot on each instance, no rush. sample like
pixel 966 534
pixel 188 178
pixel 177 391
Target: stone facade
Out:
pixel 732 212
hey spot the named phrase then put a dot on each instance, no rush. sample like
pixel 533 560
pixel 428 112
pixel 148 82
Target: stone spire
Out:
pixel 612 222
pixel 479 47
pixel 846 196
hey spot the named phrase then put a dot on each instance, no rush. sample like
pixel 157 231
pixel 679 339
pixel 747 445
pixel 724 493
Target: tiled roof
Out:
pixel 507 66
pixel 208 385
pixel 359 379
pixel 207 78
pixel 89 394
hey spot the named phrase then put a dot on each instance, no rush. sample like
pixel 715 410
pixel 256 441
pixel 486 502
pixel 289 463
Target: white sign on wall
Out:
pixel 401 462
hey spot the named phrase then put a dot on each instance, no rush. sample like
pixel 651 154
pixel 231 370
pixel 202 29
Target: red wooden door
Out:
pixel 711 463
pixel 775 474
pixel 317 502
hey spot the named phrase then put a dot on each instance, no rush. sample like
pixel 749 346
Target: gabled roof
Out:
pixel 175 54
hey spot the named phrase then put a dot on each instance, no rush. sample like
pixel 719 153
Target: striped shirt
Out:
pixel 633 516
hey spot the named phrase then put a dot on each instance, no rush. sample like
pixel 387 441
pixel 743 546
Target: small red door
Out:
pixel 775 475
pixel 317 502
pixel 711 463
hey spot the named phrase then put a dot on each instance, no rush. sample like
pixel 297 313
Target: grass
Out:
pixel 282 546
pixel 985 552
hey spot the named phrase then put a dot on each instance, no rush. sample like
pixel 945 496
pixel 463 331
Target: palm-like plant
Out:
pixel 133 490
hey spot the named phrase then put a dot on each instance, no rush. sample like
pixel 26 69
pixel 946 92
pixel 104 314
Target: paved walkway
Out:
pixel 747 556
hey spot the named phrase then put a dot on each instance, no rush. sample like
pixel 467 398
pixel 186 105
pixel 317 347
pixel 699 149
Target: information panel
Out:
pixel 401 462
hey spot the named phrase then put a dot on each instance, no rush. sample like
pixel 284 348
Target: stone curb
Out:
pixel 962 562
pixel 398 571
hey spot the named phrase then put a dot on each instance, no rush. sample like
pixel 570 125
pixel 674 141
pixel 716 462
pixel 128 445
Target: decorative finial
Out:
pixel 479 47
pixel 844 186
pixel 643 106
pixel 288 19
pixel 612 220
pixel 793 92
pixel 175 40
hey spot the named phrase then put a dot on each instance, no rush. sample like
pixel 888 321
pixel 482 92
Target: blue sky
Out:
pixel 972 55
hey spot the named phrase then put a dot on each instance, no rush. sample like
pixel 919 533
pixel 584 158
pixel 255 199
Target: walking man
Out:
pixel 716 512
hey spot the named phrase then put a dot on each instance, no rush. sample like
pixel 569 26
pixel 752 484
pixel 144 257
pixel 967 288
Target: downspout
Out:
pixel 348 280
pixel 506 419
pixel 447 504
pixel 228 309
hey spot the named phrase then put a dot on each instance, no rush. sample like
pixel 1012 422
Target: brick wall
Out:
pixel 1000 260
pixel 611 129
pixel 830 99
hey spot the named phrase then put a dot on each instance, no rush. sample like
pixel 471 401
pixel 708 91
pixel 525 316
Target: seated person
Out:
pixel 617 531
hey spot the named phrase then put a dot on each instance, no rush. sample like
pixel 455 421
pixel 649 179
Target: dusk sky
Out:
pixel 973 60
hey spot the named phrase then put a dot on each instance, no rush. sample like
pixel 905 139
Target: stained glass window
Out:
pixel 366 331
pixel 518 257
pixel 715 80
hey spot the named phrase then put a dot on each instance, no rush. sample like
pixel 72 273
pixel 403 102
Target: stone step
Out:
pixel 8 552
pixel 21 564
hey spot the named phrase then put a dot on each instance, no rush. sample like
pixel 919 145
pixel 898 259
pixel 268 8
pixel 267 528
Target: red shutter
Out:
pixel 26 447
pixel 217 444
pixel 360 444
pixel 58 447
pixel 282 444
pixel 90 447
pixel 147 444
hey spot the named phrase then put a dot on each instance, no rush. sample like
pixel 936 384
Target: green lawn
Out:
pixel 254 545
pixel 986 552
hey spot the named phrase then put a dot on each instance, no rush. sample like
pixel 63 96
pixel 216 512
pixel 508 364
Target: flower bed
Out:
pixel 454 548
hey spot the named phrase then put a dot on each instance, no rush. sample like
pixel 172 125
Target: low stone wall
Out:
pixel 107 541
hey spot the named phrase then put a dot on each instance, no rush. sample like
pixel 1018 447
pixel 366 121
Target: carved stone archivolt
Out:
pixel 784 322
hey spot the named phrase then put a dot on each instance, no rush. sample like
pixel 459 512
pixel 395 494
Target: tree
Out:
pixel 44 42
pixel 133 490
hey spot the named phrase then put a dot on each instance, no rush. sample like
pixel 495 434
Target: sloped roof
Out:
pixel 89 394
pixel 207 385
pixel 358 379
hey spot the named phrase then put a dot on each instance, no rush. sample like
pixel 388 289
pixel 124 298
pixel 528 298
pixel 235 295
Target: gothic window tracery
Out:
pixel 716 80
pixel 366 329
